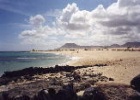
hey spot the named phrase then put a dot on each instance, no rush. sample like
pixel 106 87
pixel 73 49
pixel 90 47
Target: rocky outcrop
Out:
pixel 28 73
pixel 52 82
pixel 67 92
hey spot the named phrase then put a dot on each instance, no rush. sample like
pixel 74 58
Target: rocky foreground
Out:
pixel 64 83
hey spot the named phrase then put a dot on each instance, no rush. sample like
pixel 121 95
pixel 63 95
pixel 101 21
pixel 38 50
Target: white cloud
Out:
pixel 129 3
pixel 68 12
pixel 118 23
pixel 37 21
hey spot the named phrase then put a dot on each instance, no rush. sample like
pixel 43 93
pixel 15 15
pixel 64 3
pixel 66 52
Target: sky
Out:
pixel 48 24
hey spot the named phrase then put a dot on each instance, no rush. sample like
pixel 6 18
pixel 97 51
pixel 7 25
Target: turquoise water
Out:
pixel 10 61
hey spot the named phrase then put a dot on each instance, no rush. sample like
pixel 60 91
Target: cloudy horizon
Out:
pixel 51 25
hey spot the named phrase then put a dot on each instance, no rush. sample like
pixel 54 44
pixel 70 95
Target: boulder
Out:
pixel 67 93
pixel 43 95
pixel 135 83
pixel 93 94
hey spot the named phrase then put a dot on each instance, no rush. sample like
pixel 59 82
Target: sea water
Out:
pixel 10 61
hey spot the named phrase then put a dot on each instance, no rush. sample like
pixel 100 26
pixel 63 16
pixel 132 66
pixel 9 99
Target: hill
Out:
pixel 115 46
pixel 127 44
pixel 131 44
pixel 70 45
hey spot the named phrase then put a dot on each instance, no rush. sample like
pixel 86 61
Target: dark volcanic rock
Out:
pixel 76 76
pixel 93 94
pixel 43 95
pixel 30 90
pixel 111 79
pixel 38 70
pixel 28 73
pixel 67 93
pixel 135 83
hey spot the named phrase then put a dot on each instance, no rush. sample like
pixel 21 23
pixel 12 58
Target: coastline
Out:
pixel 118 62
pixel 72 58
pixel 11 61
pixel 95 68
pixel 122 65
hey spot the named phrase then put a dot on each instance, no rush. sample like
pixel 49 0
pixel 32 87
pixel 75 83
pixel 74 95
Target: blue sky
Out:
pixel 46 24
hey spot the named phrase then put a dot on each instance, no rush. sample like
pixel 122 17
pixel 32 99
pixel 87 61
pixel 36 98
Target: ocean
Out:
pixel 10 61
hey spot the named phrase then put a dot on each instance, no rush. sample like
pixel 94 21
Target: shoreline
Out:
pixel 71 58
pixel 93 68
pixel 122 65
pixel 18 62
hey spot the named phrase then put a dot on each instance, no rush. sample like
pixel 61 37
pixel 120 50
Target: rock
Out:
pixel 67 93
pixel 135 83
pixel 43 95
pixel 24 97
pixel 6 96
pixel 82 86
pixel 55 81
pixel 52 93
pixel 61 95
pixel 4 81
pixel 85 77
pixel 76 76
pixel 93 94
pixel 28 73
pixel 111 79
pixel 28 77
pixel 100 65
pixel 92 81
pixel 68 75
pixel 103 78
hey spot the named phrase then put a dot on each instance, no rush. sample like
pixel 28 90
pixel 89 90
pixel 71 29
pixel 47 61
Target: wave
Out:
pixel 75 58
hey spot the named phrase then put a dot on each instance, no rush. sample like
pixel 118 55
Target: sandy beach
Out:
pixel 121 65
pixel 108 71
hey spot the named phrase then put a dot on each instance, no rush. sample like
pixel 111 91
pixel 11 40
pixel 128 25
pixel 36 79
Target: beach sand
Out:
pixel 121 65
pixel 109 71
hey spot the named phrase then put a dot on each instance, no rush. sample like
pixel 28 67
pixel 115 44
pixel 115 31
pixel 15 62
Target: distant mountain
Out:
pixel 70 45
pixel 131 44
pixel 73 45
pixel 115 45
pixel 128 44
